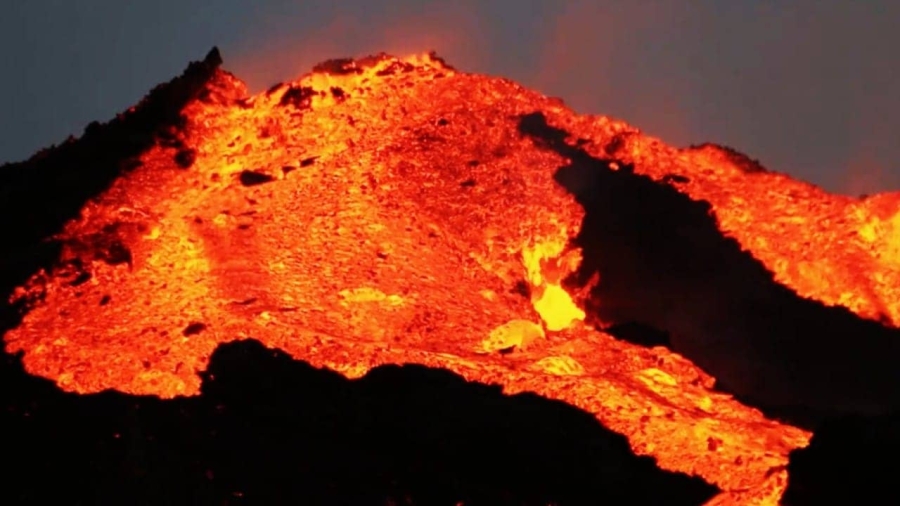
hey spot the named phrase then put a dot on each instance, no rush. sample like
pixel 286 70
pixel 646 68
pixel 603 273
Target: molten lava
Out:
pixel 391 210
pixel 551 301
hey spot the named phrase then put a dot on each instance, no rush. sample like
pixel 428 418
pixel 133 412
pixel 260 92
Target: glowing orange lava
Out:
pixel 386 211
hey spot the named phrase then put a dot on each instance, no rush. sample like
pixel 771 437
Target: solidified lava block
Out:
pixel 299 97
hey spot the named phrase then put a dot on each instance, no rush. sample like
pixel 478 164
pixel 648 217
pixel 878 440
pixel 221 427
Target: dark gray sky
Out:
pixel 808 87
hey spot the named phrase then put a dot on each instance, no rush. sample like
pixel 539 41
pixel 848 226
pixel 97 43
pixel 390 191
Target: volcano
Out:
pixel 394 282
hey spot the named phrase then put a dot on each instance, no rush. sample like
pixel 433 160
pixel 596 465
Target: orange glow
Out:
pixel 386 210
pixel 864 175
pixel 451 29
pixel 586 60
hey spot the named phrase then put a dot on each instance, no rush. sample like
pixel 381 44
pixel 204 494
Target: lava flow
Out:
pixel 398 211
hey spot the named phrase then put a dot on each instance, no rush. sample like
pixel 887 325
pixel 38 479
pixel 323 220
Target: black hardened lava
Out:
pixel 669 276
pixel 268 429
pixel 38 196
pixel 850 460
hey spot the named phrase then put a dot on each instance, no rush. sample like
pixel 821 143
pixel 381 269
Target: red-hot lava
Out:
pixel 396 210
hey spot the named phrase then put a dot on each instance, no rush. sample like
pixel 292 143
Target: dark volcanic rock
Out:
pixel 665 264
pixel 849 461
pixel 51 188
pixel 268 429
pixel 254 178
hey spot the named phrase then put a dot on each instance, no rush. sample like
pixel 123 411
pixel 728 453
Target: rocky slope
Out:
pixel 229 283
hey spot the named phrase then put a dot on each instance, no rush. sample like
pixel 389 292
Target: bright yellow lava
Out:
pixel 557 308
pixel 547 263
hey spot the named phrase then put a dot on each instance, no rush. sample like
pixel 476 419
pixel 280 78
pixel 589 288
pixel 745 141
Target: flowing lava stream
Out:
pixel 398 211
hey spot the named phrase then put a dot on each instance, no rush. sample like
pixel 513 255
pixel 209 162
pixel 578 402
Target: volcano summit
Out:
pixel 392 282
